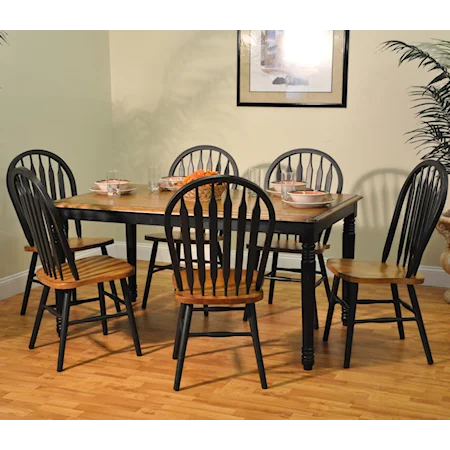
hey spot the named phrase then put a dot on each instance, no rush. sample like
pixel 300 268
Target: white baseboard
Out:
pixel 434 275
pixel 15 284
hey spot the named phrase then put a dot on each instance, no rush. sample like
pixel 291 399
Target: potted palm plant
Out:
pixel 432 105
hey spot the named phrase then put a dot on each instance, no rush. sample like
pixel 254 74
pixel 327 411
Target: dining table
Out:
pixel 143 207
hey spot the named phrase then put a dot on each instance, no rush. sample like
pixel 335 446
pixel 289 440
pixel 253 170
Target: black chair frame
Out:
pixel 256 261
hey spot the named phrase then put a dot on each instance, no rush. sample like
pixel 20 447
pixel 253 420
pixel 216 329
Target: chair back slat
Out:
pixel 191 165
pixel 278 174
pixel 213 230
pixel 181 211
pixel 219 165
pixel 194 157
pixel 42 176
pixel 200 161
pixel 240 240
pixel 300 168
pixel 419 205
pixel 209 163
pixel 182 170
pixel 44 161
pixel 329 179
pixel 185 233
pixel 51 180
pixel 43 221
pixel 319 176
pixel 200 240
pixel 289 165
pixel 334 180
pixel 252 252
pixel 227 216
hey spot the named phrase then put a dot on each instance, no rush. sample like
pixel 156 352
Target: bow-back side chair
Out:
pixel 59 182
pixel 222 287
pixel 320 172
pixel 419 205
pixel 206 157
pixel 59 269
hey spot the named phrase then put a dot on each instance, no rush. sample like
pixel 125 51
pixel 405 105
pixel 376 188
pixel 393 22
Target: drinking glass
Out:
pixel 287 184
pixel 154 176
pixel 254 175
pixel 113 183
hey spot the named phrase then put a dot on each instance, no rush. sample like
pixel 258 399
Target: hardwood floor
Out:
pixel 104 379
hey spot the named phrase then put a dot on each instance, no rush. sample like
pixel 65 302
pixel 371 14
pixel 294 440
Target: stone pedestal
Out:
pixel 443 227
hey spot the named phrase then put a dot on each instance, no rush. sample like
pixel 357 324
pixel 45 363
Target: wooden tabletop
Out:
pixel 143 201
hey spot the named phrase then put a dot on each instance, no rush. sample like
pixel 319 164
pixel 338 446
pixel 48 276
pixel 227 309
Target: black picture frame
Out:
pixel 245 98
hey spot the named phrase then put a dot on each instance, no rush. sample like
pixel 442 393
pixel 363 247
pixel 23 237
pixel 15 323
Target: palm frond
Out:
pixel 3 37
pixel 431 103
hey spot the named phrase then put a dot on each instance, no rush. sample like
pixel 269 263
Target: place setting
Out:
pixel 113 185
pixel 295 193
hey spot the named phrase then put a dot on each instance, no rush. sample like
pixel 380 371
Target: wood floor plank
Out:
pixel 103 378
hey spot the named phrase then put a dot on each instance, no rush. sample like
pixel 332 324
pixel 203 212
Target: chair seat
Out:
pixel 371 272
pixel 220 298
pixel 94 269
pixel 77 244
pixel 161 237
pixel 290 245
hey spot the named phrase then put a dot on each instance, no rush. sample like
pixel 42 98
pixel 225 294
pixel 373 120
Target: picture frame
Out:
pixel 292 68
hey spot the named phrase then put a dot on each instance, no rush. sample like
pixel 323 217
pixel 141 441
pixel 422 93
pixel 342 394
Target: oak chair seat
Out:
pixel 77 244
pixel 161 237
pixel 367 272
pixel 290 245
pixel 94 269
pixel 196 298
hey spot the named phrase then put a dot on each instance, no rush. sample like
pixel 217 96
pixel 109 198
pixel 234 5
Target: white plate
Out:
pixel 272 191
pixel 99 191
pixel 307 205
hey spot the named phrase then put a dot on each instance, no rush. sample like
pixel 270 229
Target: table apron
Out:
pixel 309 231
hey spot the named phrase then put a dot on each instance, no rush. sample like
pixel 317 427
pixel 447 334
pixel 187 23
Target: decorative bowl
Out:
pixel 103 184
pixel 170 183
pixel 204 192
pixel 298 185
pixel 309 196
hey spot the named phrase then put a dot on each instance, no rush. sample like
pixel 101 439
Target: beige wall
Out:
pixel 54 94
pixel 172 90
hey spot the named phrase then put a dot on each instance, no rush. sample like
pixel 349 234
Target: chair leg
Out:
pixel 353 298
pixel 183 344
pixel 30 277
pixel 420 324
pixel 112 284
pixel 64 327
pixel 176 345
pixel 101 297
pixel 151 268
pixel 316 317
pixel 273 273
pixel 131 319
pixel 331 305
pixel 40 313
pixel 323 271
pixel 251 312
pixel 398 311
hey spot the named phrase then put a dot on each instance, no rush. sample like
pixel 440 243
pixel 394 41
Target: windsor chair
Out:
pixel 207 157
pixel 321 172
pixel 419 205
pixel 59 269
pixel 44 164
pixel 231 284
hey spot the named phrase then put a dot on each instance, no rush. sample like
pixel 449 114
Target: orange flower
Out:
pixel 198 174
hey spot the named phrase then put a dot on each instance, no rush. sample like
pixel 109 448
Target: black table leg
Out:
pixel 348 251
pixel 131 258
pixel 308 302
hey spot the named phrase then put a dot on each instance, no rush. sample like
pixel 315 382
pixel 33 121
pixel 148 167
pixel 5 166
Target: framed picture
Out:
pixel 292 68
